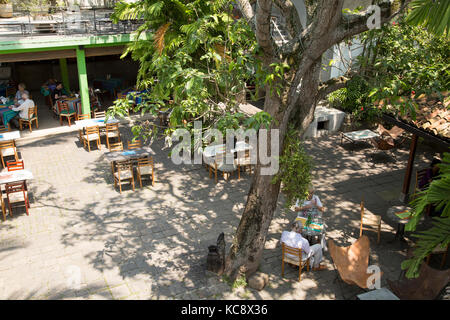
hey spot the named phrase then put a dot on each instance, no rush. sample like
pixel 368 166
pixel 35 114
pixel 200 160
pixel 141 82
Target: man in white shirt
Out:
pixel 294 239
pixel 311 202
pixel 23 109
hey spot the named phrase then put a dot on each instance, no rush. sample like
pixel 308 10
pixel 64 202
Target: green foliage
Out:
pixel 401 63
pixel 431 14
pixel 439 234
pixel 295 169
pixel 408 61
pixel 438 195
pixel 354 99
pixel 198 56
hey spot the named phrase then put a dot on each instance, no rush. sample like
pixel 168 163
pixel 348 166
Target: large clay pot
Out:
pixel 6 10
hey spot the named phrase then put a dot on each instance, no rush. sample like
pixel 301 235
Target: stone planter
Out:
pixel 6 10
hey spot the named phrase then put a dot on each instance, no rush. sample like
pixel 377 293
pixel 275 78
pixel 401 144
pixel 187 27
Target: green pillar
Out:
pixel 64 73
pixel 83 82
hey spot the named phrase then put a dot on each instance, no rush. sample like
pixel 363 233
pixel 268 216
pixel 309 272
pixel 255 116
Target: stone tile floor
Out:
pixel 84 240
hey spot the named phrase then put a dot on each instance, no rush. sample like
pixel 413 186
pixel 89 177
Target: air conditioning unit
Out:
pixel 5 73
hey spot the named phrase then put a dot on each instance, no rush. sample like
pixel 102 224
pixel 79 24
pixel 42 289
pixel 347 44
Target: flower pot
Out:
pixel 6 10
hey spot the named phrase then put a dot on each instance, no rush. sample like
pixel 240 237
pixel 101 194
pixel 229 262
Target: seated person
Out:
pixel 294 239
pixel 59 92
pixel 311 202
pixel 23 109
pixel 18 98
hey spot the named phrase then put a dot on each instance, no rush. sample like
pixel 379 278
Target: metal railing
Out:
pixel 63 22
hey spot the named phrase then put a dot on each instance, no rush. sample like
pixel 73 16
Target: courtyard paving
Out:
pixel 84 240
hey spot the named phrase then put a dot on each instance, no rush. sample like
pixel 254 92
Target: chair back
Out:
pixel 116 146
pixel 224 157
pixel 145 161
pixel 286 250
pixel 15 165
pixel 14 187
pixel 63 106
pixel 10 91
pixel 420 174
pixel 123 166
pixel 99 114
pixel 361 206
pixel 112 127
pixel 92 130
pixel 84 116
pixel 134 145
pixel 7 144
pixel 32 112
pixel 3 129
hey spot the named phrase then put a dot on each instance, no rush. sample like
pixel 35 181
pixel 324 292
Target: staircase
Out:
pixel 279 33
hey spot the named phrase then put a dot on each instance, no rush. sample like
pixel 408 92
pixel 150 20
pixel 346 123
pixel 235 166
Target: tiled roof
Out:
pixel 432 115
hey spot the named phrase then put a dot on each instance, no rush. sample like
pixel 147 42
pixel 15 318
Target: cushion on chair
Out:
pixel 145 170
pixel 91 137
pixel 123 175
pixel 243 161
pixel 8 152
pixel 112 134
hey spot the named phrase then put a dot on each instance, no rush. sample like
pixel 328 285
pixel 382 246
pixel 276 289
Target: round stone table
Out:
pixel 399 235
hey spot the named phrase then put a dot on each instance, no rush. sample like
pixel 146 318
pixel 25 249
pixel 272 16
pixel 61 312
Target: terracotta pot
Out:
pixel 6 10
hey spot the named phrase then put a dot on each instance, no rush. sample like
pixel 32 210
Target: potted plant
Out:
pixel 6 9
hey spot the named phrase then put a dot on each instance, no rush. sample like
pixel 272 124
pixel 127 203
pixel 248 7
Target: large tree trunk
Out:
pixel 296 105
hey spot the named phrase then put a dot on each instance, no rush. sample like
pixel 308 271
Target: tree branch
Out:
pixel 331 85
pixel 247 11
pixel 357 23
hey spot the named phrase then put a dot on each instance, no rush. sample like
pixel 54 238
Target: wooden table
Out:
pixel 15 176
pixel 128 154
pixel 210 151
pixel 12 135
pixel 94 122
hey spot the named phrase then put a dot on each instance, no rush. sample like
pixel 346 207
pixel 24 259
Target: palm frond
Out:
pixel 432 14
pixel 159 37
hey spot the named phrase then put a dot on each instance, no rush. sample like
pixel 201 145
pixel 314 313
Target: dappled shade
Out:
pixel 352 261
pixel 425 287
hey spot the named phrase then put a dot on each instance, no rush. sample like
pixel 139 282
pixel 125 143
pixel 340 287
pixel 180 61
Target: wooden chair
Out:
pixel 81 131
pixel 15 165
pixel 64 112
pixel 2 202
pixel 4 129
pixel 32 116
pixel 293 256
pixel 8 149
pixel 91 134
pixel 243 162
pixel 99 114
pixel 124 172
pixel 439 250
pixel 369 222
pixel 11 91
pixel 118 146
pixel 16 187
pixel 134 145
pixel 426 287
pixel 351 262
pixel 145 166
pixel 112 132
pixel 222 162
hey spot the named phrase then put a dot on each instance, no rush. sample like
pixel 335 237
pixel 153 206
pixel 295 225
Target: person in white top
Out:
pixel 23 109
pixel 311 202
pixel 294 239
pixel 18 98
